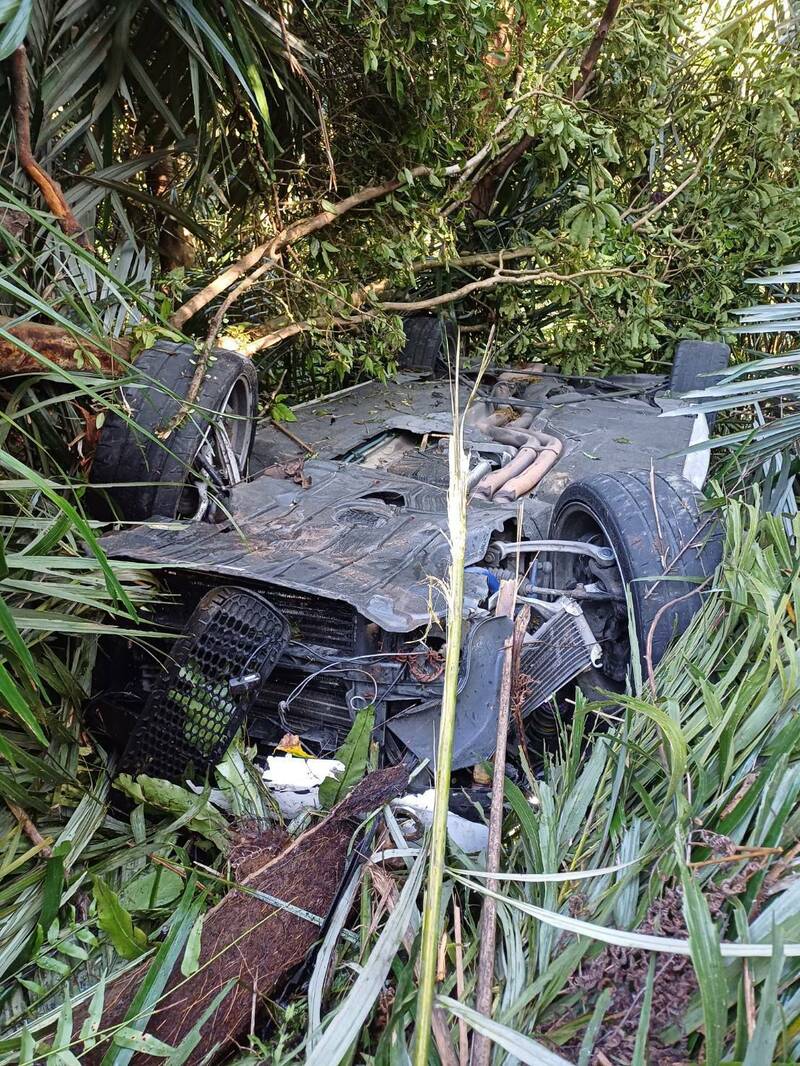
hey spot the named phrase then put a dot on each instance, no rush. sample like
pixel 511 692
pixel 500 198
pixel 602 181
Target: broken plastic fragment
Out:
pixel 467 835
pixel 294 782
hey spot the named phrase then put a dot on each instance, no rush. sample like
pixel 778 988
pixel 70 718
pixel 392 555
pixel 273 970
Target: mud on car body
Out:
pixel 301 568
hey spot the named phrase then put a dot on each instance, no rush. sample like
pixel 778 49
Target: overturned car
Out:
pixel 300 565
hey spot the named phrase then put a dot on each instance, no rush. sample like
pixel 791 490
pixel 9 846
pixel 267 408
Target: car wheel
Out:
pixel 184 474
pixel 665 553
pixel 428 342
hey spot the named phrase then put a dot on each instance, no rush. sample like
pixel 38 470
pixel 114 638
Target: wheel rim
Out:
pixel 608 619
pixel 220 461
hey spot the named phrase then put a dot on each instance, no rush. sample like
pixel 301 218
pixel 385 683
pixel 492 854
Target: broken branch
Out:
pixel 21 110
pixel 288 235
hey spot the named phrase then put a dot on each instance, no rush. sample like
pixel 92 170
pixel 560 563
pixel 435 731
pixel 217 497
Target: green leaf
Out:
pixel 192 1038
pixel 354 754
pixel 347 1023
pixel 518 1045
pixel 15 701
pixel 116 922
pixel 155 980
pixel 761 1049
pixel 152 889
pixel 640 1047
pixel 16 643
pixel 704 946
pixel 190 963
pixel 53 885
pixel 142 1042
pixel 14 18
pixel 593 1028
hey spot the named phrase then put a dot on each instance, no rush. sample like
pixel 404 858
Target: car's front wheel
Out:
pixel 145 468
pixel 666 550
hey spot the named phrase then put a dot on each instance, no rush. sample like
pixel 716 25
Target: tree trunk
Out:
pixel 59 347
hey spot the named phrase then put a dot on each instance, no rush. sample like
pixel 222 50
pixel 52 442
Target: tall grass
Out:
pixel 648 875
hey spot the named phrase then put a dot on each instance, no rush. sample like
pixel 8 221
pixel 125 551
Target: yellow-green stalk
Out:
pixel 457 527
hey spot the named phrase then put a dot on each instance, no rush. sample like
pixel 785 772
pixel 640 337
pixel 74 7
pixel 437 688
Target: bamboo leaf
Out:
pixel 116 922
pixel 14 18
pixel 517 1044
pixel 155 980
pixel 761 1049
pixel 190 963
pixel 16 702
pixel 346 1024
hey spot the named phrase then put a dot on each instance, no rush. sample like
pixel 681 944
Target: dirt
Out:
pixel 624 971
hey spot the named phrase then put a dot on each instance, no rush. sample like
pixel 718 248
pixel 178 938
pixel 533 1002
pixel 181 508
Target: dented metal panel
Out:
pixel 361 536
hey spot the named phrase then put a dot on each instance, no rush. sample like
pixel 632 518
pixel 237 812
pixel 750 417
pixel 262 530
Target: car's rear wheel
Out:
pixel 143 469
pixel 665 553
pixel 429 343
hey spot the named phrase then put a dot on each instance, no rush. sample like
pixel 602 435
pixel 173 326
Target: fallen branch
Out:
pixel 292 329
pixel 294 232
pixel 501 277
pixel 248 939
pixel 58 346
pixel 21 110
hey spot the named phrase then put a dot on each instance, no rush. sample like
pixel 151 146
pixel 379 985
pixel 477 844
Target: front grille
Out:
pixel 214 670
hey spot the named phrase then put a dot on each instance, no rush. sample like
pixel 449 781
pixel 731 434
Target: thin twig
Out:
pixel 481 1045
pixel 293 437
pixel 30 830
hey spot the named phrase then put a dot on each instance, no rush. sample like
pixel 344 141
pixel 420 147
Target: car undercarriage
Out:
pixel 315 587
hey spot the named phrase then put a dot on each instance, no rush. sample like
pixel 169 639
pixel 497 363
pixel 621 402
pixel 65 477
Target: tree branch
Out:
pixel 285 330
pixel 49 187
pixel 522 277
pixel 294 232
pixel 484 190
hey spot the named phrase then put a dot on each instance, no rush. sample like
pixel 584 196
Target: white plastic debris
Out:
pixel 295 782
pixel 469 836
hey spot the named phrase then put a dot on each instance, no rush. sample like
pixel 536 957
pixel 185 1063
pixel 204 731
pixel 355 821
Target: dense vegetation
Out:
pixel 593 184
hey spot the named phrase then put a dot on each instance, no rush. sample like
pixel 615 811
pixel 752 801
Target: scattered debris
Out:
pixel 294 782
pixel 467 835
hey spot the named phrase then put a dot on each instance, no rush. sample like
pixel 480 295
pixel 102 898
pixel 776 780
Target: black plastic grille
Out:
pixel 192 713
pixel 319 713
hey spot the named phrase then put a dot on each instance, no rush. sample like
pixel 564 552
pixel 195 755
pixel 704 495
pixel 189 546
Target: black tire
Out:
pixel 698 365
pixel 127 452
pixel 428 341
pixel 651 539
